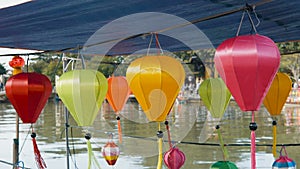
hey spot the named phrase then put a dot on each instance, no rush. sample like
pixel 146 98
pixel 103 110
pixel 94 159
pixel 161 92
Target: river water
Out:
pixel 190 126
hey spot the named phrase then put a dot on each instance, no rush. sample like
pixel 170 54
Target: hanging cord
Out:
pixel 25 140
pixel 247 9
pixel 27 64
pixel 160 51
pixel 149 46
pixel 74 152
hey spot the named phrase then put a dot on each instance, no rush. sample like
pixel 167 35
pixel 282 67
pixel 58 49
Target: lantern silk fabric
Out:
pixel 28 93
pixel 118 92
pixel 155 81
pixel 248 64
pixel 215 96
pixel 82 92
pixel 278 93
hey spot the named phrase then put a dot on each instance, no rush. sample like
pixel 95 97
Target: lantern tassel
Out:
pixel 274 138
pixel 91 156
pixel 119 129
pixel 253 127
pixel 224 149
pixel 38 158
pixel 169 135
pixel 160 142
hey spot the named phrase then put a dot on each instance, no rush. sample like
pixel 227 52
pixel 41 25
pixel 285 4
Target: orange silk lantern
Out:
pixel 156 81
pixel 117 95
pixel 276 98
pixel 28 93
pixel 17 62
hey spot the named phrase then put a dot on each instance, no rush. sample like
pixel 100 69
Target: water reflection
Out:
pixel 190 123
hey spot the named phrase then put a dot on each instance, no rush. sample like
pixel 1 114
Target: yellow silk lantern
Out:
pixel 156 81
pixel 276 98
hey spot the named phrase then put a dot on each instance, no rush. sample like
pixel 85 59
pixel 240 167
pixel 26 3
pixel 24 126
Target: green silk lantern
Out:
pixel 215 96
pixel 223 165
pixel 82 92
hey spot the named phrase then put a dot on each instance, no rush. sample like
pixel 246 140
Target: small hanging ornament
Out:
pixel 17 62
pixel 173 158
pixel 111 152
pixel 284 162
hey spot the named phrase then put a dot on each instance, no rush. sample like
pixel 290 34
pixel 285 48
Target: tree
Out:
pixel 2 69
pixel 290 59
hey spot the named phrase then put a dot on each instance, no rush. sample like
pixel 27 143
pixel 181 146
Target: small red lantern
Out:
pixel 174 158
pixel 17 62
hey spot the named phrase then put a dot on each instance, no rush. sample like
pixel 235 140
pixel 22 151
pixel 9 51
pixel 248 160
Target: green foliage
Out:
pixel 2 69
pixel 290 59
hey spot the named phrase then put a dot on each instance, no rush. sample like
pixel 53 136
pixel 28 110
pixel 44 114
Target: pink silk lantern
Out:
pixel 248 65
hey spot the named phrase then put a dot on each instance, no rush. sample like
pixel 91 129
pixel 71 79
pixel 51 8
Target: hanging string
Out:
pixel 169 135
pixel 149 46
pixel 160 51
pixel 247 9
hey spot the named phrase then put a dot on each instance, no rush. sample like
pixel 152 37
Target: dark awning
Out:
pixel 63 24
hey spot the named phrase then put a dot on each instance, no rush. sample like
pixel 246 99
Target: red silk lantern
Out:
pixel 248 65
pixel 28 93
pixel 117 95
pixel 174 158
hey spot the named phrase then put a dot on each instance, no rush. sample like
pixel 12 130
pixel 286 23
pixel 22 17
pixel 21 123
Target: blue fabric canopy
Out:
pixel 63 24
